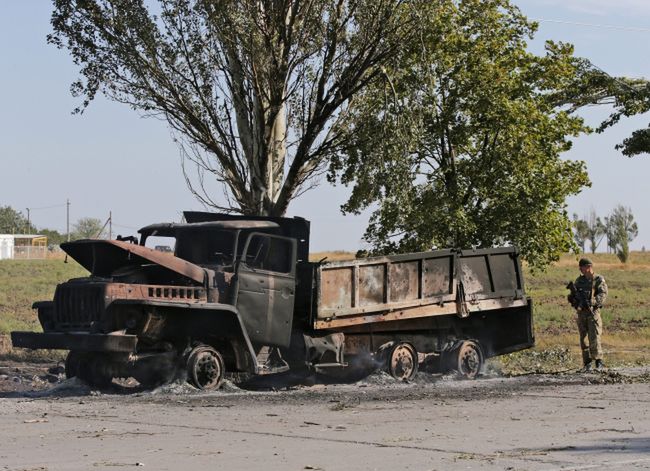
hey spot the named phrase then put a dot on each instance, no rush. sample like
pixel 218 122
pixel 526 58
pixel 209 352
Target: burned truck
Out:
pixel 239 294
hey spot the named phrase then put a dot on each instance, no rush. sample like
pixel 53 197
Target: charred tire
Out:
pixel 402 361
pixel 205 367
pixel 466 358
pixel 94 369
pixel 72 364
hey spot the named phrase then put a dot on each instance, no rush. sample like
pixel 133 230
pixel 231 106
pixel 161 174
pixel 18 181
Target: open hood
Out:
pixel 103 257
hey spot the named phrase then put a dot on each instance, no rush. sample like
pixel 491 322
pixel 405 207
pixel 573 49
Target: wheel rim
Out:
pixel 470 360
pixel 205 368
pixel 403 363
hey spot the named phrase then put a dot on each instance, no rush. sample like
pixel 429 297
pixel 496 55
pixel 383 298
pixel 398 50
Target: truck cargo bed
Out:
pixel 399 287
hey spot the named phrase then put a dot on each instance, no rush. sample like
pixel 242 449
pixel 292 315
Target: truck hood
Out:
pixel 103 257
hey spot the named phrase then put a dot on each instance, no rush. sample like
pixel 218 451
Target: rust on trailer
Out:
pixel 400 314
pixel 394 288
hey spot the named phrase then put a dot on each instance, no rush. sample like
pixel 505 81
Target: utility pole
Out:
pixel 67 217
pixel 110 225
pixel 28 223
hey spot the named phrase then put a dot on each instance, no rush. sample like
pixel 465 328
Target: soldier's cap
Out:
pixel 584 262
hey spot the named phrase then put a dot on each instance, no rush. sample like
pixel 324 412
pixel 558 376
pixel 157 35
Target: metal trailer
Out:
pixel 462 306
pixel 239 295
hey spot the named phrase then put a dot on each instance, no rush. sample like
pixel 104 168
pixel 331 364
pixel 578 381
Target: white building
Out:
pixel 22 246
pixel 6 246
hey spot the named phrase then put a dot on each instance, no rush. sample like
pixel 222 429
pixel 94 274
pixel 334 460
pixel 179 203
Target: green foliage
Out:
pixel 88 228
pixel 12 221
pixel 627 97
pixel 621 229
pixel 460 144
pixel 591 229
pixel 580 232
pixel 252 90
pixel 54 237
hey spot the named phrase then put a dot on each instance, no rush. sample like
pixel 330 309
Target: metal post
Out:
pixel 67 218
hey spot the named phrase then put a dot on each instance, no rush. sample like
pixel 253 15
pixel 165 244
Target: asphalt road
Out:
pixel 570 421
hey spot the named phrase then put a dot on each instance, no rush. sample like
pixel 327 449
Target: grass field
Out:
pixel 626 317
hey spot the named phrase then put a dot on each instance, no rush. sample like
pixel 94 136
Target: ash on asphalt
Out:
pixel 34 381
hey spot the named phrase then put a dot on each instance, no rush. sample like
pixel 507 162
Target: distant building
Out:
pixel 6 246
pixel 22 246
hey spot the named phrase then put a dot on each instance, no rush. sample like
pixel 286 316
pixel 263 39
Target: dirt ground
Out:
pixel 563 421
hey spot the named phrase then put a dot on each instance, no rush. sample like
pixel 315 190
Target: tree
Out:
pixel 627 97
pixel 54 237
pixel 12 221
pixel 253 89
pixel 592 229
pixel 580 232
pixel 621 229
pixel 460 144
pixel 88 228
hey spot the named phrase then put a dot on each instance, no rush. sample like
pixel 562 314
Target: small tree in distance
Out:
pixel 580 232
pixel 88 228
pixel 595 230
pixel 621 229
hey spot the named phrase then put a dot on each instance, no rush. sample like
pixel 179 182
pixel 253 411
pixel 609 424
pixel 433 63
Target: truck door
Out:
pixel 266 281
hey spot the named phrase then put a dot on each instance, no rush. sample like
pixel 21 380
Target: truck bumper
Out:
pixel 75 341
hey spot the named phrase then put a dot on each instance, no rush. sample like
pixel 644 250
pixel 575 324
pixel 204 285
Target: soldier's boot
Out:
pixel 587 366
pixel 600 365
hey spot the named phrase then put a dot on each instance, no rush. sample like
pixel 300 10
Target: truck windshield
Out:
pixel 206 247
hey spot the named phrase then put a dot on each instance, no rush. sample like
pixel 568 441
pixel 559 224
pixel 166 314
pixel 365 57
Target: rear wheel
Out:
pixel 205 367
pixel 466 358
pixel 402 361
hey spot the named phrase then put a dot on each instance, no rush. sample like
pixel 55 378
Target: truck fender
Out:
pixel 240 342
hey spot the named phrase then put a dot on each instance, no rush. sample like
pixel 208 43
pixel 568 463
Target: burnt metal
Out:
pixel 237 286
pixel 103 257
pixel 75 341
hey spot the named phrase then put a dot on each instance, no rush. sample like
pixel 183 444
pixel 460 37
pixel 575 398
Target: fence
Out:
pixel 29 252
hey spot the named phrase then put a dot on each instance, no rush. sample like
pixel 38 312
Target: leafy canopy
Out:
pixel 253 89
pixel 460 144
pixel 12 221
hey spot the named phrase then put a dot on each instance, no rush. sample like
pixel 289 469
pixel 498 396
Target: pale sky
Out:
pixel 111 159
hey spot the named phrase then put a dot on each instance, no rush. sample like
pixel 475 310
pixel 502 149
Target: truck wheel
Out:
pixel 403 361
pixel 466 359
pixel 93 368
pixel 72 364
pixel 205 367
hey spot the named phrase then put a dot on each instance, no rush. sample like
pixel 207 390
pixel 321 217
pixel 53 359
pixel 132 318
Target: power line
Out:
pixel 48 207
pixel 593 25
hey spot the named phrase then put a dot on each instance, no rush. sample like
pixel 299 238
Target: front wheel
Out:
pixel 205 367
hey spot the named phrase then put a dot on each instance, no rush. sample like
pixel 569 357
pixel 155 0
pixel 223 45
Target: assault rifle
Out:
pixel 577 299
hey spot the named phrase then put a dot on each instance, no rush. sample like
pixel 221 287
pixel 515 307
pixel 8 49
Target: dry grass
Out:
pixel 333 256
pixel 626 316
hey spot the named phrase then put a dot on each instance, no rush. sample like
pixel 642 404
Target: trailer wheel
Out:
pixel 466 359
pixel 403 361
pixel 205 367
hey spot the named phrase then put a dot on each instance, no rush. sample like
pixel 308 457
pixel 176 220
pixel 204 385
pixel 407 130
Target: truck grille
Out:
pixel 77 306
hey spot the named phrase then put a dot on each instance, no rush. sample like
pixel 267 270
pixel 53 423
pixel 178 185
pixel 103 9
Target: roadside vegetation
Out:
pixel 626 317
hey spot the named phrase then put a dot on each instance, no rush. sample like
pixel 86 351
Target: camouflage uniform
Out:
pixel 590 323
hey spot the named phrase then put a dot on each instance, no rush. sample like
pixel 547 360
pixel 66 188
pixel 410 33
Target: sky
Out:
pixel 110 159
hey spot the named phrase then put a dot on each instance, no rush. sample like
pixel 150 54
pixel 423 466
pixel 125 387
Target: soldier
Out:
pixel 588 299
